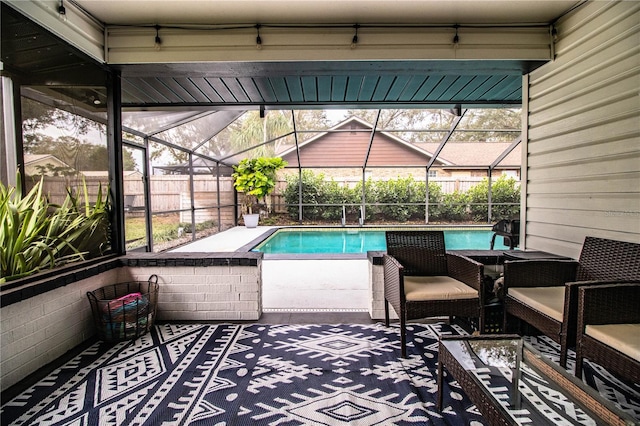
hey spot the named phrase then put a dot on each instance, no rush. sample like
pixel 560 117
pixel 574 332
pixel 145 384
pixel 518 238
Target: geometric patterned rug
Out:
pixel 624 395
pixel 203 374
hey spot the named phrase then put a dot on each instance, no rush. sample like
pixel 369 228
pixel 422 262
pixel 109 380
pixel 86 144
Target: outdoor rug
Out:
pixel 249 375
pixel 203 374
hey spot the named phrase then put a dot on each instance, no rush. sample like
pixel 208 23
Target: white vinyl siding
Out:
pixel 583 147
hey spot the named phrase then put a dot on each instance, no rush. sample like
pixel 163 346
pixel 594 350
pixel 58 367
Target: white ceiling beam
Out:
pixel 128 45
pixel 74 26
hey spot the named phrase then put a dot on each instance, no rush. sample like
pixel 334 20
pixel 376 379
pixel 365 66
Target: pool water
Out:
pixel 294 241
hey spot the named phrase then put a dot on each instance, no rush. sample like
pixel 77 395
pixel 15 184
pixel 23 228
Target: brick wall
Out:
pixel 39 329
pixel 42 320
pixel 204 293
pixel 376 287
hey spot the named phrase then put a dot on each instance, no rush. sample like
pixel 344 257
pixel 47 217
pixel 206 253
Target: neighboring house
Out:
pixel 342 151
pixel 46 164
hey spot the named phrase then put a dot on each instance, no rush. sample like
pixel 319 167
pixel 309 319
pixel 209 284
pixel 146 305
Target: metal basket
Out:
pixel 124 311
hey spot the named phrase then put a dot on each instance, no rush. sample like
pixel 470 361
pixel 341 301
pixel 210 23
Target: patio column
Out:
pixel 114 146
pixel 10 130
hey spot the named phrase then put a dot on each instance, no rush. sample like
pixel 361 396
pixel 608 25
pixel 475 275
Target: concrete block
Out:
pixel 187 306
pixel 250 306
pixel 188 279
pixel 250 316
pixel 246 288
pixel 215 306
pixel 215 288
pixel 247 271
pixel 216 278
pixel 249 296
pixel 221 297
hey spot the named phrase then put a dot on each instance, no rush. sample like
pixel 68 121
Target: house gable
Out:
pixel 347 145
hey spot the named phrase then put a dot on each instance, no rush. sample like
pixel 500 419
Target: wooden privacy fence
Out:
pixel 171 193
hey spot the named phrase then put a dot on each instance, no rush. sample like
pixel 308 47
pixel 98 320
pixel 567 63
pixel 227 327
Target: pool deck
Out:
pixel 307 283
pixel 232 239
pixel 300 284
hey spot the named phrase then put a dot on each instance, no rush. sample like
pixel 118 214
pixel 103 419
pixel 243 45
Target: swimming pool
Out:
pixel 343 241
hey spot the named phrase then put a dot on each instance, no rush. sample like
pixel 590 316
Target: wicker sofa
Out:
pixel 422 280
pixel 544 293
pixel 609 328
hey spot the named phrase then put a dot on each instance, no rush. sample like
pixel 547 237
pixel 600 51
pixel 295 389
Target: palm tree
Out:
pixel 265 134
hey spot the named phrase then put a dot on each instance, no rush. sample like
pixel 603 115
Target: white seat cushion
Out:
pixel 623 337
pixel 548 300
pixel 437 288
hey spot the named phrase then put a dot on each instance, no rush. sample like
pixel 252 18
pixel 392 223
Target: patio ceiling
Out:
pixel 333 85
pixel 306 84
pixel 135 12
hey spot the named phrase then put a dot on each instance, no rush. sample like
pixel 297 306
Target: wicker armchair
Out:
pixel 544 293
pixel 608 324
pixel 422 280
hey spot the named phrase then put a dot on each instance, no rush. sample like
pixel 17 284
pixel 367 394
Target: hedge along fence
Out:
pixel 400 200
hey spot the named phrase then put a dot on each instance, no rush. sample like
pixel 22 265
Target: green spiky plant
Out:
pixel 38 235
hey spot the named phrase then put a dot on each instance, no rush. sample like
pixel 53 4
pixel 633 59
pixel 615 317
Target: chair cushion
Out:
pixel 548 300
pixel 623 337
pixel 437 288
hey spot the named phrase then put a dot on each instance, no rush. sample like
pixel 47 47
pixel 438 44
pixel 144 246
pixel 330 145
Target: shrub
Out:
pixel 454 207
pixel 505 199
pixel 437 209
pixel 402 199
pixel 256 177
pixel 369 196
pixel 312 187
pixel 38 235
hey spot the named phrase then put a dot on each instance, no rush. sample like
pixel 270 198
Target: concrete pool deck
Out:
pixel 232 239
pixel 301 284
pixel 307 282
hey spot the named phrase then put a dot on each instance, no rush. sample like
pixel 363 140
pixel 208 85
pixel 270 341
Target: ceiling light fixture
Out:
pixel 354 40
pixel 157 43
pixel 258 39
pixel 62 11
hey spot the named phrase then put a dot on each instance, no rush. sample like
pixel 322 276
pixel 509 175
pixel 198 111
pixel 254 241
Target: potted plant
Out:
pixel 256 178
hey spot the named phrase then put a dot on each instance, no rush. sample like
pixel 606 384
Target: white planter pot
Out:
pixel 251 220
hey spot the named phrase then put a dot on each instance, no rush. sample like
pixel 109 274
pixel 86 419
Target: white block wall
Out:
pixel 36 331
pixel 40 329
pixel 195 293
pixel 376 283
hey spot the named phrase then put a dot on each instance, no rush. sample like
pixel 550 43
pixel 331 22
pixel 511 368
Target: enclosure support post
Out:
pixel 147 194
pixel 489 196
pixel 295 137
pixel 364 168
pixel 192 198
pixel 426 198
pixel 114 145
pixel 218 199
pixel 10 127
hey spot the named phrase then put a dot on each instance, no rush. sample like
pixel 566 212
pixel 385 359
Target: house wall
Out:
pixel 351 149
pixel 583 146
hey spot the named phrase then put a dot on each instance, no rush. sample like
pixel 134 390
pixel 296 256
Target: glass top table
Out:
pixel 511 383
